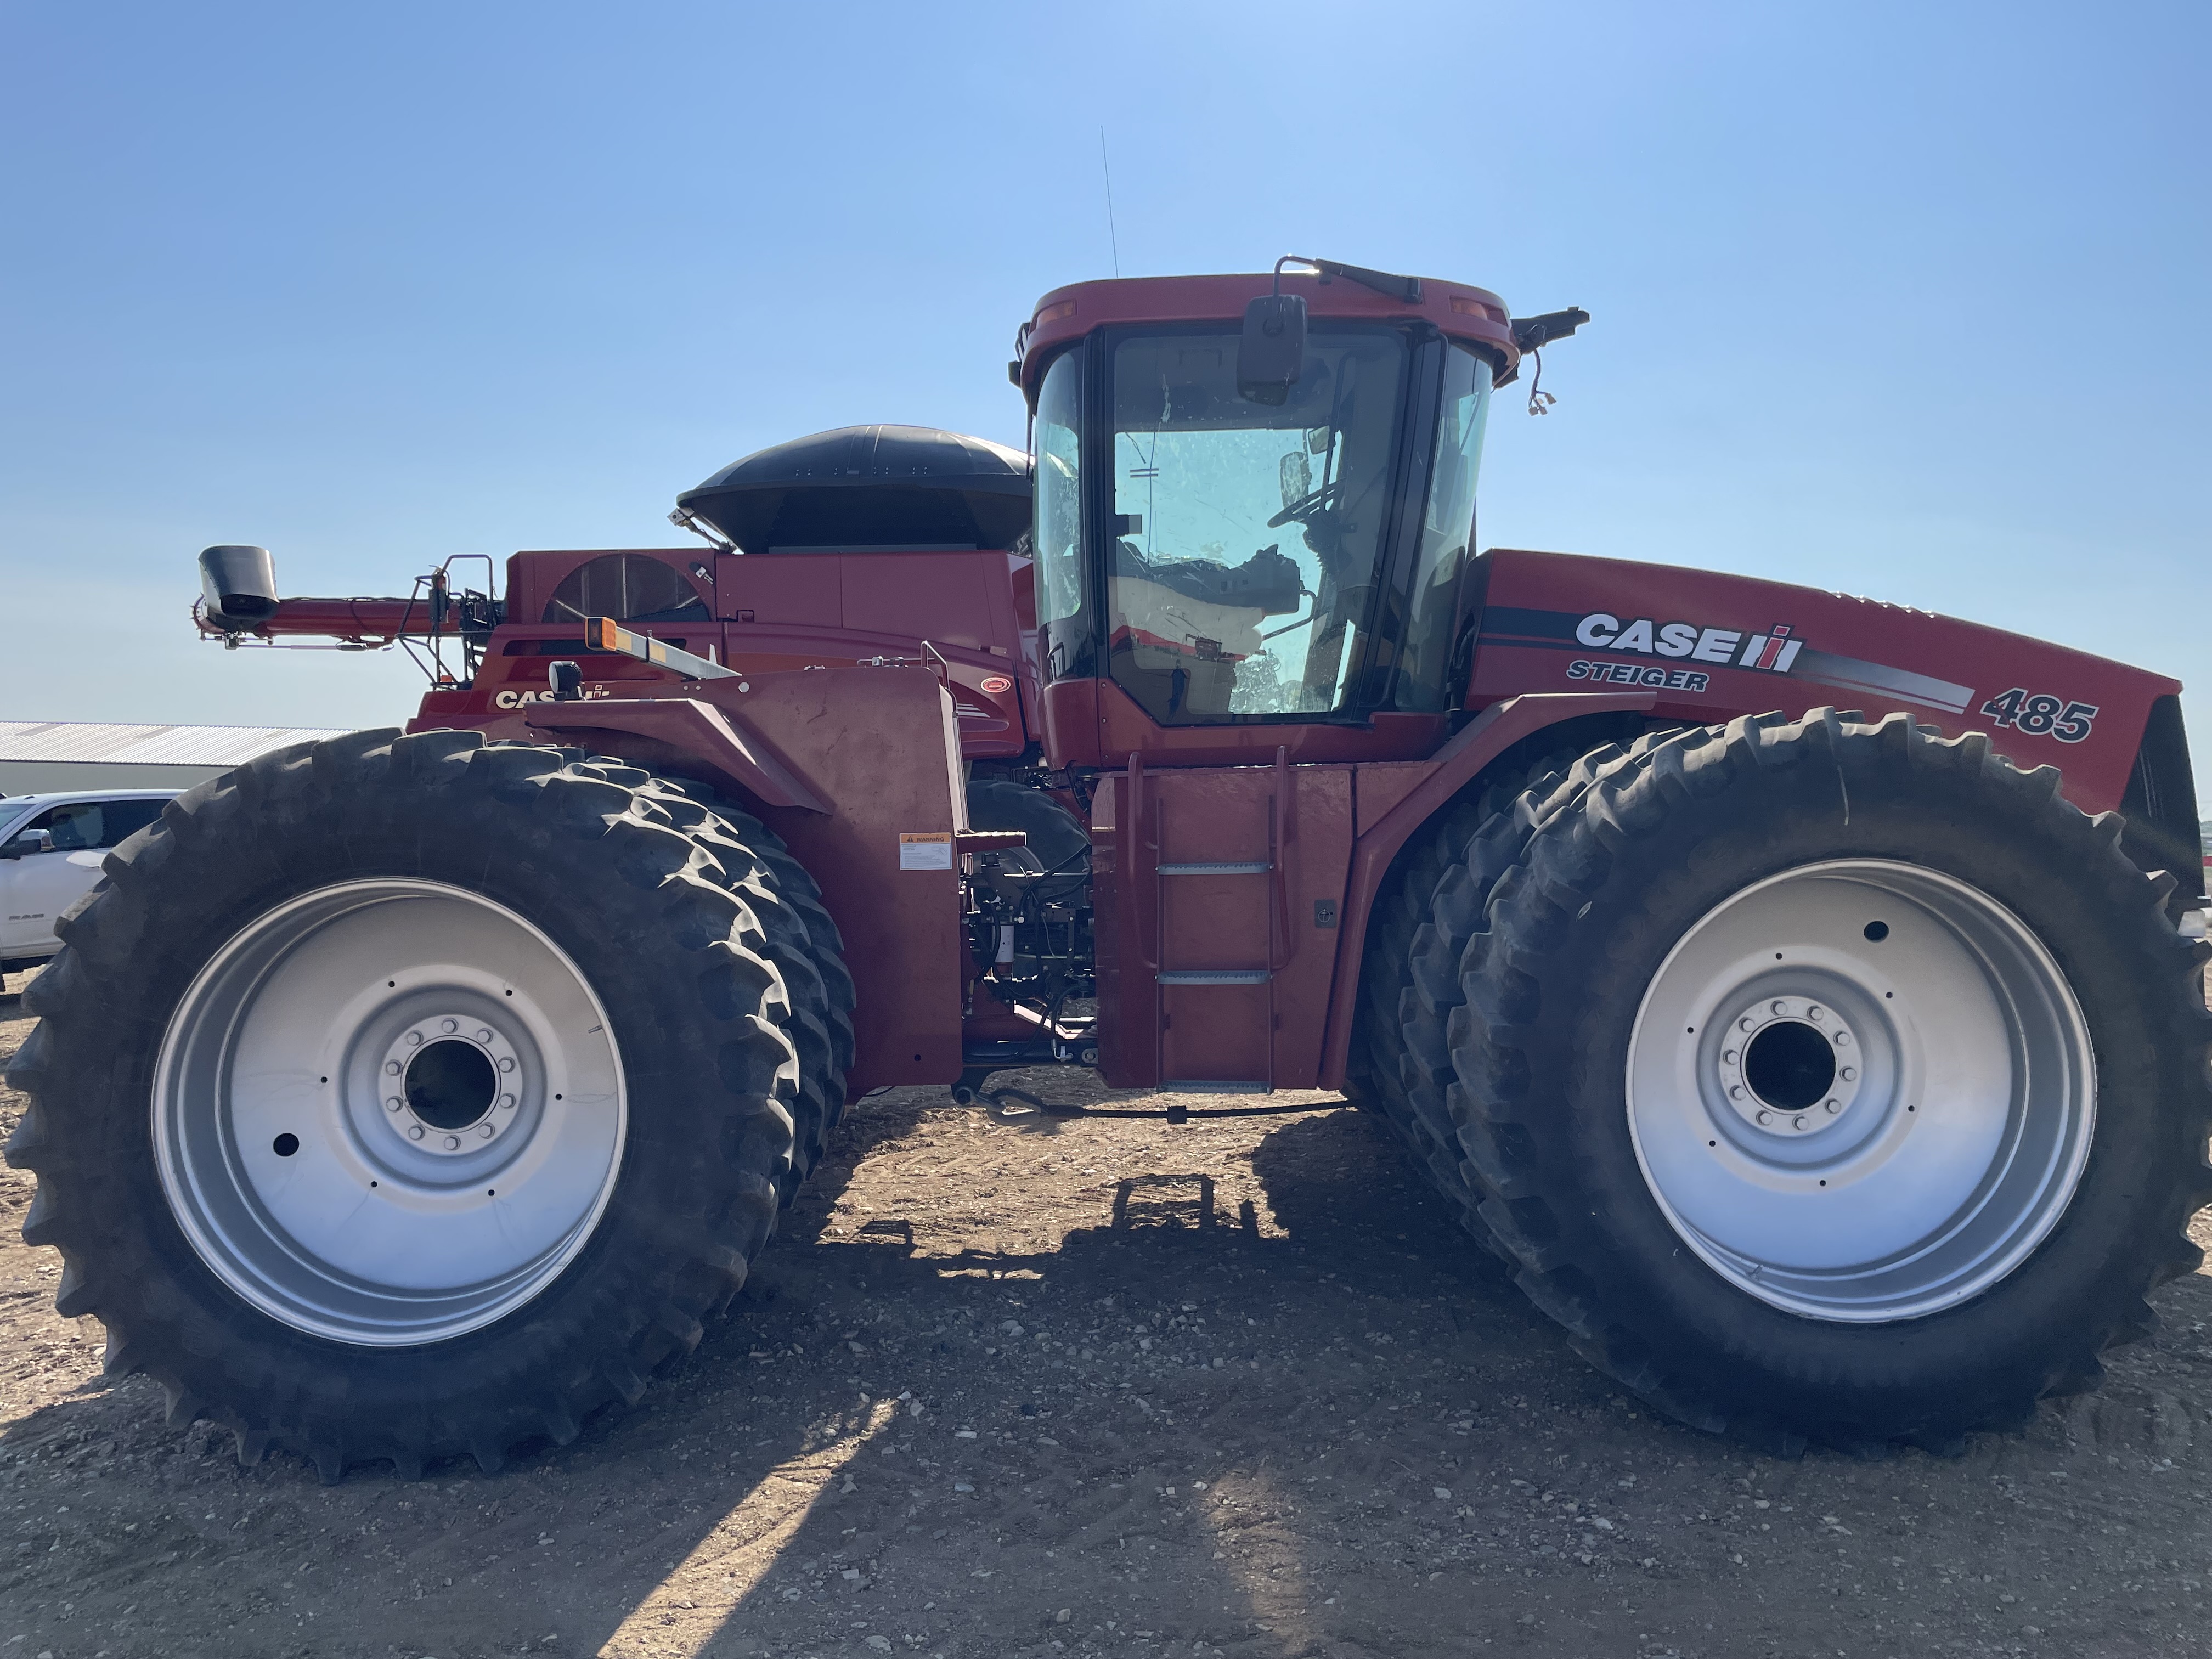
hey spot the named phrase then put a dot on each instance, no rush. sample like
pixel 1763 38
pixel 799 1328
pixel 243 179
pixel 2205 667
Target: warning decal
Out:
pixel 930 850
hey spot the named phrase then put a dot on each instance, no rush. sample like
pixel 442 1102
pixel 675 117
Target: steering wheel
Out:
pixel 1306 505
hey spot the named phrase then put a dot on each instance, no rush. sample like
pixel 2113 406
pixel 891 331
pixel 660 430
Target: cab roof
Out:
pixel 1473 314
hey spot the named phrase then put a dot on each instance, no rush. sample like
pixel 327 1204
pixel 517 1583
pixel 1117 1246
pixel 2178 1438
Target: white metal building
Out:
pixel 45 756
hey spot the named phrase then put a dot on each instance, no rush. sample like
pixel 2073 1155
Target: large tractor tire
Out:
pixel 796 934
pixel 1828 1081
pixel 401 1097
pixel 1400 1065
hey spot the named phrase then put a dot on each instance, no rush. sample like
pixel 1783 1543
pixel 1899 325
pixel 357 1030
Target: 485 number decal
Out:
pixel 2041 716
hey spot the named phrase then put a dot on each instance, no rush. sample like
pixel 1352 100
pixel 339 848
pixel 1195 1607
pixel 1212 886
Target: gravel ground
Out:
pixel 1105 1387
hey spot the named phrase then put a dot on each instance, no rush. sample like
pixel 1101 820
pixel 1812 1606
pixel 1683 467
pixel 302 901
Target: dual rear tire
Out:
pixel 478 1075
pixel 1827 1081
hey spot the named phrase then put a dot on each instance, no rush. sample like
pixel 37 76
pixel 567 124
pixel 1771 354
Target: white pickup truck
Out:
pixel 50 851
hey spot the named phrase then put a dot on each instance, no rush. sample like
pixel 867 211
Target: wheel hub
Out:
pixel 1788 1066
pixel 450 1084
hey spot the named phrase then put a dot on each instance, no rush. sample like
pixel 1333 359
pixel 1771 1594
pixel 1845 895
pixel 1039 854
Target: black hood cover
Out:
pixel 907 487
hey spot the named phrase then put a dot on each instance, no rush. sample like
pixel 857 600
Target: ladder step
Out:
pixel 1215 976
pixel 1200 1085
pixel 1258 869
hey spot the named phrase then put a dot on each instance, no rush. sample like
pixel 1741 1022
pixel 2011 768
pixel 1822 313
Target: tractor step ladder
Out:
pixel 1269 869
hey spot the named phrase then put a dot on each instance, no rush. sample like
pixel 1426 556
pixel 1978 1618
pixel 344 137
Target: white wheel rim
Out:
pixel 309 1192
pixel 1917 1182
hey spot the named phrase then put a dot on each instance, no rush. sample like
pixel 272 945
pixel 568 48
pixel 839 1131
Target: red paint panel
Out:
pixel 1473 314
pixel 947 598
pixel 1562 621
pixel 1376 789
pixel 795 589
pixel 1297 820
pixel 1128 1053
pixel 686 728
pixel 879 747
pixel 1070 721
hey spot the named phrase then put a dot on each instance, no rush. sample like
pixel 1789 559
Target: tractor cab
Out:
pixel 1254 497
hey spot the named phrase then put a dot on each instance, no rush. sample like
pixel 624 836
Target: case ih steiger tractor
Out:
pixel 1830 1077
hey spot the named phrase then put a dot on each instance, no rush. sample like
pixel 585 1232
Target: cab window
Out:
pixel 1447 532
pixel 1244 537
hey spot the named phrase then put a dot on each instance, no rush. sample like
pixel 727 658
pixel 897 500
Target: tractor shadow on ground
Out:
pixel 1346 1216
pixel 610 1522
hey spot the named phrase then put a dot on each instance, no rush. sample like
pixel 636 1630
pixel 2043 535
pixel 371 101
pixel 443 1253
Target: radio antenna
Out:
pixel 1106 167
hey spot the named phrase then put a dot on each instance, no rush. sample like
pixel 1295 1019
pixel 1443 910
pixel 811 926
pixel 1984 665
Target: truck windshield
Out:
pixel 1245 536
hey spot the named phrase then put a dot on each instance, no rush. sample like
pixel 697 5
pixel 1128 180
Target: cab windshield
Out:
pixel 1246 536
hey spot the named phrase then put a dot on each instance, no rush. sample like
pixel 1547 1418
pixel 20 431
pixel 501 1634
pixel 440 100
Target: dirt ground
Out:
pixel 1105 1389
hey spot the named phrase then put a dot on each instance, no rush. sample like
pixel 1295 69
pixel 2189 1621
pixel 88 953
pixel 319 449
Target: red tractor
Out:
pixel 1830 1077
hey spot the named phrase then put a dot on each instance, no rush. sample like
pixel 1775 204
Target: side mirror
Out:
pixel 1271 354
pixel 25 846
pixel 1297 476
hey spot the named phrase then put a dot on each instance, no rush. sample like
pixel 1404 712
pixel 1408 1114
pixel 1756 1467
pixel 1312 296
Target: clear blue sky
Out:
pixel 1904 299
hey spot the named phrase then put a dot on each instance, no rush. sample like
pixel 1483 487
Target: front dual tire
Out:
pixel 1678 952
pixel 404 1098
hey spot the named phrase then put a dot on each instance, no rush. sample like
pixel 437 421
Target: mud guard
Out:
pixel 1497 729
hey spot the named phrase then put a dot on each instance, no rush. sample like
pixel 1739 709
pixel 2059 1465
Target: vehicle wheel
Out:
pixel 1834 1081
pixel 795 933
pixel 401 1097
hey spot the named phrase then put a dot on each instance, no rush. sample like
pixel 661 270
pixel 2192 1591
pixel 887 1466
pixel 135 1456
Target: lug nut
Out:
pixel 453 1143
pixel 1736 1093
pixel 414 1039
pixel 506 1064
pixel 1779 1007
pixel 486 1132
pixel 483 1034
pixel 1812 1011
pixel 506 1103
pixel 1745 1024
pixel 1766 1118
pixel 392 1068
pixel 414 1132
pixel 392 1104
pixel 1834 1106
pixel 1728 1056
pixel 1848 1075
pixel 1796 1122
pixel 451 1026
pixel 1842 1038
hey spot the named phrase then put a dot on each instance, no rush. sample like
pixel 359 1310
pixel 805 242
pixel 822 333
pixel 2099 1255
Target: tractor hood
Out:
pixel 869 488
pixel 1706 645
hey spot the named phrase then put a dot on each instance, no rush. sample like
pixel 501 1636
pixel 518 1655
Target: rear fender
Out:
pixel 858 770
pixel 1476 746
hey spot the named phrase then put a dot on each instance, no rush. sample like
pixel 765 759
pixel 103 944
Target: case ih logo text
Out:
pixel 1771 651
